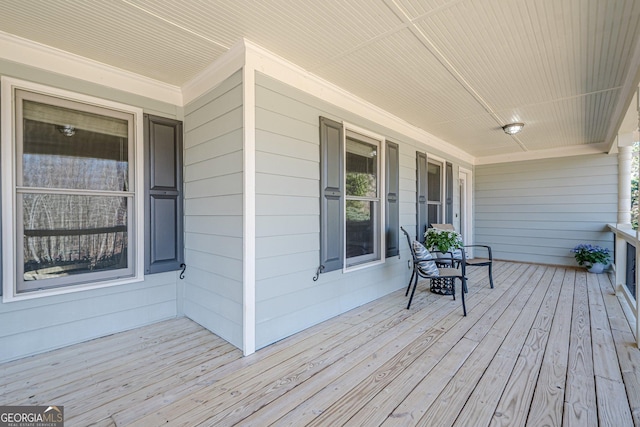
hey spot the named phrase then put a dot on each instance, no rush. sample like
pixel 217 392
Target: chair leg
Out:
pixel 410 280
pixel 491 275
pixel 464 286
pixel 415 285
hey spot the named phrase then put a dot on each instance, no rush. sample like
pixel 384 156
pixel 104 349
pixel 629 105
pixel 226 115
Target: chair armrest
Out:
pixel 450 260
pixel 488 248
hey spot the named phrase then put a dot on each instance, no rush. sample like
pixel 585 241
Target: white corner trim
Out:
pixel 279 68
pixel 8 197
pixel 230 62
pixel 38 55
pixel 249 213
pixel 581 150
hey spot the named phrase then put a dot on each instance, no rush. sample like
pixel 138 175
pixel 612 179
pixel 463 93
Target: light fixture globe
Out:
pixel 66 130
pixel 512 128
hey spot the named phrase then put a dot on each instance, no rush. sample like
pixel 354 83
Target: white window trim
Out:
pixel 8 167
pixel 381 196
pixel 468 231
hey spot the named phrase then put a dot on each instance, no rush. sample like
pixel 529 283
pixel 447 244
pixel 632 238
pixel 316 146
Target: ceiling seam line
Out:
pixel 567 98
pixel 406 23
pixel 455 73
pixel 426 42
pixel 175 25
pixel 537 104
pixel 360 46
pixel 432 11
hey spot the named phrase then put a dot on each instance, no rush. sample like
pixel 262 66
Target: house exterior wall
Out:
pixel 288 216
pixel 537 211
pixel 214 209
pixel 41 324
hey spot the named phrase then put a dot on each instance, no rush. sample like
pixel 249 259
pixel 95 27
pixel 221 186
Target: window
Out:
pixel 73 199
pixel 362 199
pixel 359 209
pixel 434 192
pixel 429 193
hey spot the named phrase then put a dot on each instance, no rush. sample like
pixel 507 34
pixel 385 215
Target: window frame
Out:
pixel 10 209
pixel 440 204
pixel 380 239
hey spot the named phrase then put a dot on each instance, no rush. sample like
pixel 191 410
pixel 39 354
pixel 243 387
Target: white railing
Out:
pixel 626 273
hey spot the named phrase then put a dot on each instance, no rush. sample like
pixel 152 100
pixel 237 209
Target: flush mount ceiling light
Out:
pixel 66 130
pixel 512 128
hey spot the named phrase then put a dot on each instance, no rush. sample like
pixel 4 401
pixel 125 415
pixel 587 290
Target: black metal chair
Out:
pixel 474 262
pixel 423 268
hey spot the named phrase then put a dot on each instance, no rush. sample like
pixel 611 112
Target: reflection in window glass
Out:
pixel 360 228
pixel 362 214
pixel 74 199
pixel 69 234
pixel 362 169
pixel 434 194
pixel 434 175
pixel 90 154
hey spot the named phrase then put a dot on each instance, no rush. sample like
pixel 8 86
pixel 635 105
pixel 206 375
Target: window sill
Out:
pixel 9 295
pixel 363 266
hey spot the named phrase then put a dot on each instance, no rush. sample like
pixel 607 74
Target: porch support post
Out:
pixel 625 154
pixel 625 148
pixel 634 139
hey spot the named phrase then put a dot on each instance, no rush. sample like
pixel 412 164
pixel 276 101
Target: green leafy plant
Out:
pixel 359 184
pixel 589 254
pixel 443 240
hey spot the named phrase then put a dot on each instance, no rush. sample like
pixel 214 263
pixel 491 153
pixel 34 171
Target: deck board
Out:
pixel 548 399
pixel 482 403
pixel 580 395
pixel 549 345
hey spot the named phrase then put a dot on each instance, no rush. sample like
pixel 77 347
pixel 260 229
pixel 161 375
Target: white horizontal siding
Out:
pixel 35 326
pixel 42 324
pixel 288 209
pixel 213 210
pixel 538 211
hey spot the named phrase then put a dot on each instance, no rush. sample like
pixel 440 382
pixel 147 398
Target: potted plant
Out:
pixel 443 240
pixel 595 258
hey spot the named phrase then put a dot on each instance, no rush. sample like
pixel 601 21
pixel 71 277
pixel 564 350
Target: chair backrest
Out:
pixel 448 227
pixel 413 254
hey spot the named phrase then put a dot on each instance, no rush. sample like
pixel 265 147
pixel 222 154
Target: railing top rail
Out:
pixel 624 231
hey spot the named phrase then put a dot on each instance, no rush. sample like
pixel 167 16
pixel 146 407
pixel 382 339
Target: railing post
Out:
pixel 620 261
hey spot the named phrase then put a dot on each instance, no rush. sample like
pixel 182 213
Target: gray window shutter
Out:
pixel 392 213
pixel 163 194
pixel 331 195
pixel 449 194
pixel 421 195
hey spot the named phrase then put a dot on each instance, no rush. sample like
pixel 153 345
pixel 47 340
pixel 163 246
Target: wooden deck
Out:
pixel 547 346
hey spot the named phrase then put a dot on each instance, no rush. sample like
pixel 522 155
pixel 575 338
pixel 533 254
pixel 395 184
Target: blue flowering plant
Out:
pixel 590 254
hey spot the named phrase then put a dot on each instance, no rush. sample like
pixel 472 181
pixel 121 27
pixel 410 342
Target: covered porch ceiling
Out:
pixel 459 69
